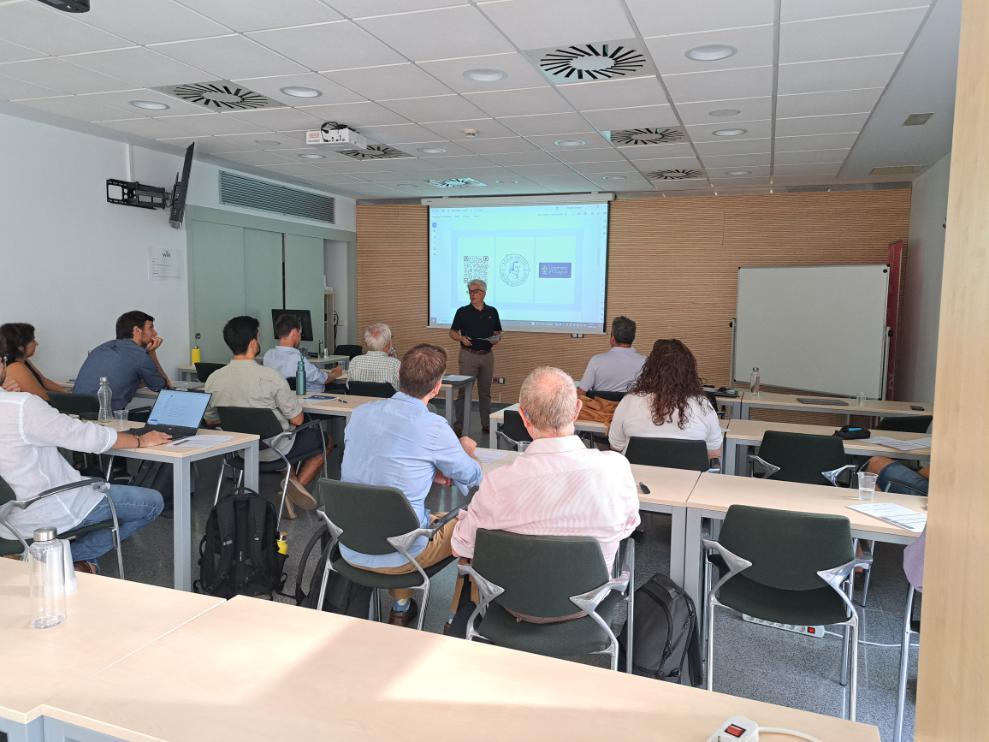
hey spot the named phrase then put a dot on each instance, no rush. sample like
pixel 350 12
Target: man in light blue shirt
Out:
pixel 398 442
pixel 615 370
pixel 284 357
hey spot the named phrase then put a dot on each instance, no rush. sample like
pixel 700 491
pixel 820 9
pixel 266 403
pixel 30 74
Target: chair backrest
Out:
pixel 513 427
pixel 351 351
pixel 291 382
pixel 204 370
pixel 712 397
pixel 539 573
pixel 251 420
pixel 787 549
pixel 368 515
pixel 672 452
pixel 6 493
pixel 610 396
pixel 370 388
pixel 86 406
pixel 802 457
pixel 906 424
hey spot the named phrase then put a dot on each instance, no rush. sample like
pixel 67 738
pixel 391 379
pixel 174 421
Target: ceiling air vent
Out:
pixel 896 170
pixel 237 190
pixel 457 183
pixel 626 137
pixel 917 119
pixel 221 95
pixel 679 174
pixel 603 60
pixel 373 152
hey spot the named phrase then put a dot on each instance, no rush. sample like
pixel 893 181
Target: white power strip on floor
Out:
pixel 815 631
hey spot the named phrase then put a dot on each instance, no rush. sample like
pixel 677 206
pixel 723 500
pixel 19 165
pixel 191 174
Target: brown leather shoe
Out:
pixel 404 618
pixel 88 568
pixel 300 496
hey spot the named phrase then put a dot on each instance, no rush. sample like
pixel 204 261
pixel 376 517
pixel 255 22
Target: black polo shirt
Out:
pixel 477 324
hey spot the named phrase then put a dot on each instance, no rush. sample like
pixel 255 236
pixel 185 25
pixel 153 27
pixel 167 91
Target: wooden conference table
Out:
pixel 451 383
pixel 188 372
pixel 791 402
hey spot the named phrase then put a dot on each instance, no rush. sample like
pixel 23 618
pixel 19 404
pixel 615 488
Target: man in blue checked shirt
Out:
pixel 284 357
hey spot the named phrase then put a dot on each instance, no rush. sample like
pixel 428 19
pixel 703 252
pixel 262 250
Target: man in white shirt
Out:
pixel 615 370
pixel 31 433
pixel 378 364
pixel 284 357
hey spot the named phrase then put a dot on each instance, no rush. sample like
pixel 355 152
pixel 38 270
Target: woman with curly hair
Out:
pixel 21 345
pixel 667 401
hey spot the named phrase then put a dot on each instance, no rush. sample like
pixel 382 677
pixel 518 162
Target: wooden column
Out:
pixel 953 685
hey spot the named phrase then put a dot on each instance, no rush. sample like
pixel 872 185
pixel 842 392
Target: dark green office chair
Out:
pixel 513 431
pixel 205 370
pixel 374 520
pixel 800 457
pixel 548 577
pixel 351 351
pixel 787 567
pixel 610 396
pixel 370 389
pixel 907 423
pixel 85 406
pixel 671 452
pixel 20 544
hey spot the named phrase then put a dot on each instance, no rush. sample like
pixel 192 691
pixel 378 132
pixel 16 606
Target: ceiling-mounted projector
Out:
pixel 69 6
pixel 337 136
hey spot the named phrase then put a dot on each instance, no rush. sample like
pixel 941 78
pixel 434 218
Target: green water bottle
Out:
pixel 300 378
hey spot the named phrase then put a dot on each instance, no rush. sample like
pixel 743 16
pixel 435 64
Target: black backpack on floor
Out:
pixel 342 595
pixel 666 633
pixel 238 554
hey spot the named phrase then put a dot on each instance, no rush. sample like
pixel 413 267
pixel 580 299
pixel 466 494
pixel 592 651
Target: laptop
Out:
pixel 176 413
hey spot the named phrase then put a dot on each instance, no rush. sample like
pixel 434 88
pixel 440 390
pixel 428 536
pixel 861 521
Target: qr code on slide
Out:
pixel 476 267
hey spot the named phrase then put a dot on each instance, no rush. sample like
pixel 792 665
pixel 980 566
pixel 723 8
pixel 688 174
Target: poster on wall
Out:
pixel 164 264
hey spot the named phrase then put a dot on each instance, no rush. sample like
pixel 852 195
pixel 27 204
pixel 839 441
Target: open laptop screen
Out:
pixel 184 409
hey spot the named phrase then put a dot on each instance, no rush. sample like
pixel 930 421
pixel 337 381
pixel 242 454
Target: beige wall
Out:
pixel 672 268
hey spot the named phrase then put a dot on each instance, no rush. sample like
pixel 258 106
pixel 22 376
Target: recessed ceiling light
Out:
pixel 485 74
pixel 433 151
pixel 612 177
pixel 722 112
pixel 311 156
pixel 711 52
pixel 729 132
pixel 569 142
pixel 738 173
pixel 149 105
pixel 297 91
pixel 267 142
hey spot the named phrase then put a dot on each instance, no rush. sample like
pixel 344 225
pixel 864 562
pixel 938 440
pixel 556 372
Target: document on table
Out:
pixel 912 445
pixel 895 514
pixel 455 377
pixel 490 455
pixel 201 441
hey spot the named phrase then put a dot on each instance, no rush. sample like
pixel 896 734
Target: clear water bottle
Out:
pixel 300 377
pixel 47 579
pixel 755 380
pixel 105 396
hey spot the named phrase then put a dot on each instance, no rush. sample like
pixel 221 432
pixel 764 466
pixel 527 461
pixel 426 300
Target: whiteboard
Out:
pixel 817 328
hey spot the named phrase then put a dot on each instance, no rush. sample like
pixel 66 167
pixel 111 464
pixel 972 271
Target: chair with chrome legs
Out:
pixel 20 543
pixel 513 432
pixel 785 567
pixel 800 457
pixel 676 453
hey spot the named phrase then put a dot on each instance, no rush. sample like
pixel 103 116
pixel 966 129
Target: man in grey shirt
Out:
pixel 615 370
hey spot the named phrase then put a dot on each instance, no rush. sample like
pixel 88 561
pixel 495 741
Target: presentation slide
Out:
pixel 545 265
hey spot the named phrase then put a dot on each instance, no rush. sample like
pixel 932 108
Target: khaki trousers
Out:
pixel 438 549
pixel 480 366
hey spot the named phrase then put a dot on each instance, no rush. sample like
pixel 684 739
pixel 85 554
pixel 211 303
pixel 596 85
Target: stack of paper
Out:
pixel 895 514
pixel 490 455
pixel 914 444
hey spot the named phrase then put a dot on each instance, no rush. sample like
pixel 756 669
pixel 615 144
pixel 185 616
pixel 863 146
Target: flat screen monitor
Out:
pixel 304 317
pixel 181 189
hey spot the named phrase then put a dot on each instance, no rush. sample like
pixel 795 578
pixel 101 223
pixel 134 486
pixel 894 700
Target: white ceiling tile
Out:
pixel 150 128
pixel 329 46
pixel 618 93
pixel 535 157
pixel 837 74
pixel 535 24
pixel 151 21
pixel 51 31
pixel 434 108
pixel 452 148
pixel 244 142
pixel 542 171
pixel 849 36
pixel 272 87
pixel 748 109
pixel 362 8
pixel 729 184
pixel 485 128
pixel 78 107
pixel 456 163
pixel 815 142
pixel 17 53
pixel 632 118
pixel 744 147
pixel 592 139
pixel 141 67
pixel 553 123
pixel 607 166
pixel 201 124
pixel 254 158
pixel 652 151
pixel 728 162
pixel 720 171
pixel 60 76
pixel 786 127
pixel 122 98
pixel 802 10
pixel 805 156
pixel 519 72
pixel 827 104
pixel 691 184
pixel 529 101
pixel 568 183
pixel 389 81
pixel 816 168
pixel 393 133
pixel 755 82
pixel 298 170
pixel 229 57
pixel 504 145
pixel 356 115
pixel 438 34
pixel 662 17
pixel 753 130
pixel 11 89
pixel 280 119
pixel 255 15
pixel 754 49
pixel 582 154
pixel 668 163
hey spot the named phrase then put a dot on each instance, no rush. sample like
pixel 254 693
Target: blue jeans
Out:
pixel 136 507
pixel 901 479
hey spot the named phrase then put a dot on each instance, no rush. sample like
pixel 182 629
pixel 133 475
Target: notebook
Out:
pixel 898 515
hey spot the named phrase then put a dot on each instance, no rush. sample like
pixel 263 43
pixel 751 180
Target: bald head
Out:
pixel 548 400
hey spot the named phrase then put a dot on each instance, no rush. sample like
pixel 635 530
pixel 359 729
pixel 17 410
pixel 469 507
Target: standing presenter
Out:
pixel 477 327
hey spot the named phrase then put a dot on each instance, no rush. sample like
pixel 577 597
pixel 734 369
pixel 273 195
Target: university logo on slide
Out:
pixel 514 269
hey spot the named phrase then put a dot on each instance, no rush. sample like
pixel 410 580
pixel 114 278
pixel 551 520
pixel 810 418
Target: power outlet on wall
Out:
pixel 576 334
pixel 499 379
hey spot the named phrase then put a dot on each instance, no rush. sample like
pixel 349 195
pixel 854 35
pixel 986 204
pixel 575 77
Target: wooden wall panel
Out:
pixel 672 268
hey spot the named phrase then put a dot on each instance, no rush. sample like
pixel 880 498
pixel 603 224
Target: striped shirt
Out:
pixel 375 366
pixel 558 487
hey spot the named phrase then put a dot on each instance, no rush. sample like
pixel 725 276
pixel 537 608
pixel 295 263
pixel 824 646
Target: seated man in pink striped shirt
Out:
pixel 558 487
